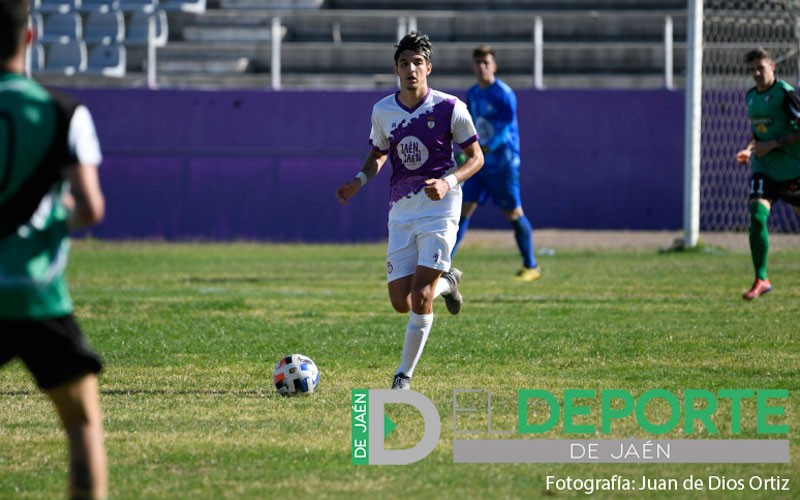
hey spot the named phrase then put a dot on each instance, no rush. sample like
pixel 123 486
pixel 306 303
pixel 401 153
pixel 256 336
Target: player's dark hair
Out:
pixel 417 43
pixel 757 55
pixel 13 23
pixel 483 50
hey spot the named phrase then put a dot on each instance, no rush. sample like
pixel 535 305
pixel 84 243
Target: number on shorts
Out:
pixel 757 190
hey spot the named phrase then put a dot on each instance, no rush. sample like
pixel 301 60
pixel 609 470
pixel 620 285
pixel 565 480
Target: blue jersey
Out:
pixel 494 112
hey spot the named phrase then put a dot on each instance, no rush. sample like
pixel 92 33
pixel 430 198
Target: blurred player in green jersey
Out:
pixel 49 155
pixel 774 111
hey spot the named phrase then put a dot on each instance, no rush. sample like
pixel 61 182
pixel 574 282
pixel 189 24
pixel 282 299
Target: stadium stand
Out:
pixel 509 5
pixel 348 43
pixel 104 27
pixel 66 58
pixel 138 26
pixel 55 5
pixel 138 5
pixel 36 57
pixel 61 27
pixel 99 5
pixel 36 22
pixel 107 60
pixel 190 6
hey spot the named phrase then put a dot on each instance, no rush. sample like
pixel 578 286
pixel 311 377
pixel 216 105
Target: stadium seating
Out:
pixel 353 48
pixel 61 27
pixel 66 58
pixel 271 4
pixel 148 6
pixel 509 5
pixel 138 26
pixel 190 6
pixel 348 43
pixel 37 23
pixel 56 5
pixel 105 27
pixel 99 5
pixel 107 60
pixel 103 32
pixel 36 57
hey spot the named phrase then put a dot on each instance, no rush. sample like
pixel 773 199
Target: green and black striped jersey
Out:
pixel 775 113
pixel 41 133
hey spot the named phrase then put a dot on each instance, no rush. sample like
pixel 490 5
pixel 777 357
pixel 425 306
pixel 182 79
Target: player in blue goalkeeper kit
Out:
pixel 493 107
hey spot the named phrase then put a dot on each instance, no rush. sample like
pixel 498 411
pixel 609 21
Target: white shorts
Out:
pixel 424 241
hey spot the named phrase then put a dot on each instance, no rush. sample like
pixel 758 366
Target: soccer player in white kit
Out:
pixel 416 127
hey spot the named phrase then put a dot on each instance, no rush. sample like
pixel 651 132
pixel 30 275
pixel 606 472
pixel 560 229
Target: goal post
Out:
pixel 719 34
pixel 692 120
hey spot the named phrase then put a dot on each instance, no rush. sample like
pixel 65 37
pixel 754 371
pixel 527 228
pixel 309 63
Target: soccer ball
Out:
pixel 296 375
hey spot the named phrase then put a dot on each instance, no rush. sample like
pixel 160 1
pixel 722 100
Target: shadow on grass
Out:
pixel 160 392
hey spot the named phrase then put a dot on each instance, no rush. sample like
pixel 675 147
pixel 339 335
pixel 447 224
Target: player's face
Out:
pixel 484 68
pixel 763 73
pixel 413 70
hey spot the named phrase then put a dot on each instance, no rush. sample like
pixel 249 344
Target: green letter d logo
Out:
pixel 376 421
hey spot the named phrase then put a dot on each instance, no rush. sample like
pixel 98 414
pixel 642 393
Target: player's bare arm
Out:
pixel 436 189
pixel 372 165
pixel 472 165
pixel 85 201
pixel 762 148
pixel 743 156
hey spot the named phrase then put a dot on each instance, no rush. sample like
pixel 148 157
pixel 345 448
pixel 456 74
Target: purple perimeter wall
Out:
pixel 223 165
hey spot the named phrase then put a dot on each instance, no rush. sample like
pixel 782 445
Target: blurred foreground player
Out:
pixel 774 111
pixel 48 146
pixel 416 128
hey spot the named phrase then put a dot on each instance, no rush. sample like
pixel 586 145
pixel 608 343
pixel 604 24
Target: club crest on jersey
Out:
pixel 767 98
pixel 431 122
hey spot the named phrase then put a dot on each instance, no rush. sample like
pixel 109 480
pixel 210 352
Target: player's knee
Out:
pixel 422 299
pixel 759 213
pixel 515 214
pixel 401 305
pixel 467 209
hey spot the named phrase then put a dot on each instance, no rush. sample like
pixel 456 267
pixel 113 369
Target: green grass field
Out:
pixel 190 334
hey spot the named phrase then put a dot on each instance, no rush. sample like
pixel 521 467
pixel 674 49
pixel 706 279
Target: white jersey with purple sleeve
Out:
pixel 419 140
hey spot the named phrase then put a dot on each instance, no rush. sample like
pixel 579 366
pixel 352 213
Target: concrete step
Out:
pixel 316 81
pixel 378 26
pixel 495 5
pixel 448 58
pixel 204 66
pixel 272 4
pixel 230 33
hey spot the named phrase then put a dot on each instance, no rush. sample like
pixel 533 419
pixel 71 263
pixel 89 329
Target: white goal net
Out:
pixel 730 29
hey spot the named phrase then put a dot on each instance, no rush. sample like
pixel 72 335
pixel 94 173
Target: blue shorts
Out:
pixel 502 185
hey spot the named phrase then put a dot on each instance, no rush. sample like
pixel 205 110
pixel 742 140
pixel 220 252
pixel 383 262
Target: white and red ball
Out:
pixel 295 375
